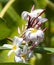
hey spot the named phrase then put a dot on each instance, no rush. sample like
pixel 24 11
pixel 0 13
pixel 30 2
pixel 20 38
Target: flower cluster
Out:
pixel 32 36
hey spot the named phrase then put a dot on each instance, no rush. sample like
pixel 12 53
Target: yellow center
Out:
pixel 24 56
pixel 33 30
pixel 14 47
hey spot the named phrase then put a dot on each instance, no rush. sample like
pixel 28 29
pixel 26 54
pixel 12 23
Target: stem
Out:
pixel 9 39
pixel 6 8
pixel 44 29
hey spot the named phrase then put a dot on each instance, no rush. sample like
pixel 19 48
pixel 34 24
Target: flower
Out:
pixel 37 36
pixel 34 35
pixel 18 59
pixel 15 46
pixel 23 55
pixel 24 15
pixel 33 18
pixel 28 32
pixel 35 13
pixel 32 14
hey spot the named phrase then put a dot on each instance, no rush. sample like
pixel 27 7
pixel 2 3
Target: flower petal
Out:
pixel 9 53
pixel 24 15
pixel 18 51
pixel 25 49
pixel 17 59
pixel 19 30
pixel 32 9
pixel 40 33
pixel 17 41
pixel 43 20
pixel 27 34
pixel 7 46
pixel 33 36
pixel 35 13
pixel 30 54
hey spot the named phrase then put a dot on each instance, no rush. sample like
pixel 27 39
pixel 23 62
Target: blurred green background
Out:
pixel 11 20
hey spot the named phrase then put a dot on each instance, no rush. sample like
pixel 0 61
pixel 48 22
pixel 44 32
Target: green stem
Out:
pixel 6 8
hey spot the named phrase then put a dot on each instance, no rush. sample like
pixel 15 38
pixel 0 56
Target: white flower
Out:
pixel 42 20
pixel 30 54
pixel 37 36
pixel 28 32
pixel 32 14
pixel 34 35
pixel 22 56
pixel 18 59
pixel 24 15
pixel 15 46
pixel 24 53
pixel 35 13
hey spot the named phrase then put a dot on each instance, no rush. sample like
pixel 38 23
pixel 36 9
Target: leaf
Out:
pixel 2 1
pixel 16 21
pixel 44 50
pixel 40 3
pixel 14 15
pixel 4 30
pixel 14 63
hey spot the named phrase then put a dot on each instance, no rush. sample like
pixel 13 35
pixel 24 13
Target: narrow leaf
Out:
pixel 12 63
pixel 44 50
pixel 4 30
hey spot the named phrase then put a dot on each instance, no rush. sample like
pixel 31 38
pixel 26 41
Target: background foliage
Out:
pixel 11 19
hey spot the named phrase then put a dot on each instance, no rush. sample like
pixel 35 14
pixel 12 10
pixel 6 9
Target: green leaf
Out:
pixel 44 50
pixel 4 30
pixel 14 15
pixel 40 3
pixel 14 64
pixel 2 1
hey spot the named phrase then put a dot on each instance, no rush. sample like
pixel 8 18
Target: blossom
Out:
pixel 34 35
pixel 24 15
pixel 32 14
pixel 15 46
pixel 33 18
pixel 39 35
pixel 18 59
pixel 23 55
pixel 28 32
pixel 35 13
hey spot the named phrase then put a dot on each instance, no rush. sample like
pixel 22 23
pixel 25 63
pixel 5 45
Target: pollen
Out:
pixel 33 30
pixel 14 47
pixel 24 56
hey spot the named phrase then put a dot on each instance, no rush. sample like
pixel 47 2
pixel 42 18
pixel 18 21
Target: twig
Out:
pixel 10 39
pixel 44 29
